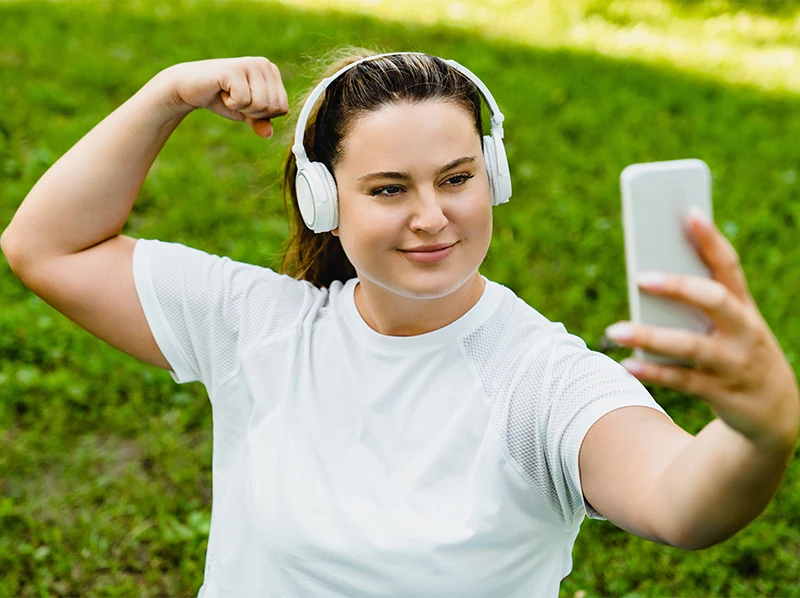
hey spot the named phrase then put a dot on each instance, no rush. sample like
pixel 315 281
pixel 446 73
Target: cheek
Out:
pixel 474 217
pixel 367 229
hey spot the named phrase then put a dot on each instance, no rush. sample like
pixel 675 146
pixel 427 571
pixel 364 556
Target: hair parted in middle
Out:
pixel 373 84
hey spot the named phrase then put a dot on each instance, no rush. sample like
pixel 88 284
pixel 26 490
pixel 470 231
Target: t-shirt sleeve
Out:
pixel 583 386
pixel 550 396
pixel 205 311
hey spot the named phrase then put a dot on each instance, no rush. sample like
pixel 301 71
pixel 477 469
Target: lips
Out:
pixel 429 254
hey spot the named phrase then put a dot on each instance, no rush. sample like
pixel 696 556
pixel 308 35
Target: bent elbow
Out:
pixel 694 547
pixel 13 253
pixel 7 247
pixel 692 542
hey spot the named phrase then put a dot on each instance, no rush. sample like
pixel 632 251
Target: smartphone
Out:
pixel 656 199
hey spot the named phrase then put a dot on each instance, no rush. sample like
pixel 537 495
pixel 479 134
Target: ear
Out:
pixel 335 232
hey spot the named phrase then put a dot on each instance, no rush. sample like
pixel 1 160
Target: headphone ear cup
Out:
pixel 317 197
pixel 494 154
pixel 503 179
pixel 329 205
pixel 490 159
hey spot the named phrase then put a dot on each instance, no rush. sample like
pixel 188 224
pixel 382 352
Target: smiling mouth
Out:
pixel 428 255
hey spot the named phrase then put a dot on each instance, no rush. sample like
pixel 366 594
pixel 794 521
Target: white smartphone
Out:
pixel 656 198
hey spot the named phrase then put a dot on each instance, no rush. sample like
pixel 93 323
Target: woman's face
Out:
pixel 415 215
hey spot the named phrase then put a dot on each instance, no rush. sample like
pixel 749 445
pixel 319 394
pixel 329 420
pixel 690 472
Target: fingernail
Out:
pixel 699 216
pixel 634 367
pixel 620 332
pixel 653 280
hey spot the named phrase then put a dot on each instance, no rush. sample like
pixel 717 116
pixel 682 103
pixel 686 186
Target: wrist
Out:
pixel 162 91
pixel 783 434
pixel 777 443
pixel 782 441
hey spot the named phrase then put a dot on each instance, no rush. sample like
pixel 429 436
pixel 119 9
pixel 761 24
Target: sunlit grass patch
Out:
pixel 727 41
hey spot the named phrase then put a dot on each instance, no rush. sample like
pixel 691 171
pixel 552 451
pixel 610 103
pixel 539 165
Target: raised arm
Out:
pixel 64 242
pixel 650 477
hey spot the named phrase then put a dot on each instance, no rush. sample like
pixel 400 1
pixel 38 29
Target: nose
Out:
pixel 428 215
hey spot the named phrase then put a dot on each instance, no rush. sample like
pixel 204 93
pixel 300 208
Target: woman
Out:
pixel 393 423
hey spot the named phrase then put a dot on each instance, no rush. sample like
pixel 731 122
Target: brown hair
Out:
pixel 319 258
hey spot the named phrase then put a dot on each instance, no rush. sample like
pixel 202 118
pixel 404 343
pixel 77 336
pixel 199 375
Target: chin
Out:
pixel 427 286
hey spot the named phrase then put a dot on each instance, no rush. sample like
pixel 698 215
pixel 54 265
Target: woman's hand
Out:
pixel 248 89
pixel 740 368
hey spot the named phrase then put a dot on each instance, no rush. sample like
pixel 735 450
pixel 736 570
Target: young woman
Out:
pixel 389 422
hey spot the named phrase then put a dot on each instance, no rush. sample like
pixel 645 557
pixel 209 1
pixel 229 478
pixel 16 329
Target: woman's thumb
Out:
pixel 261 126
pixel 222 106
pixel 228 101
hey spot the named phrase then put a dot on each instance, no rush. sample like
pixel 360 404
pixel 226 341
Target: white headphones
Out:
pixel 316 189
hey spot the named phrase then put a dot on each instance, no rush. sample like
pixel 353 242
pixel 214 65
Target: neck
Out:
pixel 394 315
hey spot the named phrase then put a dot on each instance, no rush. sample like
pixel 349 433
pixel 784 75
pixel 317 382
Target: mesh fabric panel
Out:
pixel 544 385
pixel 216 308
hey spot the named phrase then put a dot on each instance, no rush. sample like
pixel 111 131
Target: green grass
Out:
pixel 105 463
pixel 746 41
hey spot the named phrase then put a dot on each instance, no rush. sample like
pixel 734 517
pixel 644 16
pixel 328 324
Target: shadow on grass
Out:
pixel 574 120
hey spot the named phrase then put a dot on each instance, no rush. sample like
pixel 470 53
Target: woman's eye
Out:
pixel 387 191
pixel 459 179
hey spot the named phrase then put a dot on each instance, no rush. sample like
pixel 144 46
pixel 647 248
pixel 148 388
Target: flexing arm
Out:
pixel 64 242
pixel 652 478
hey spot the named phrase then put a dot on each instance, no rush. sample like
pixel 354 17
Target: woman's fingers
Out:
pixel 712 297
pixel 278 97
pixel 262 106
pixel 268 97
pixel 248 88
pixel 670 342
pixel 266 89
pixel 724 299
pixel 282 100
pixel 740 369
pixel 235 88
pixel 688 381
pixel 720 256
pixel 252 90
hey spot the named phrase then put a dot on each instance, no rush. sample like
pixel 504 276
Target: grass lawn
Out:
pixel 105 463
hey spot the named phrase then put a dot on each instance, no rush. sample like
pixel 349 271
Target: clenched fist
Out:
pixel 248 89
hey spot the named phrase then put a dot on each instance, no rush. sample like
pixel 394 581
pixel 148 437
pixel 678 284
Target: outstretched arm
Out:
pixel 64 242
pixel 650 477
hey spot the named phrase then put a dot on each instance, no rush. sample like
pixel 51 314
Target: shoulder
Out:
pixel 169 264
pixel 518 327
pixel 515 345
pixel 517 349
pixel 208 310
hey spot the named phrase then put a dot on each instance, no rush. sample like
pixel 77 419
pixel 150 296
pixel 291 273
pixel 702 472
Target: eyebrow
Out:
pixel 403 176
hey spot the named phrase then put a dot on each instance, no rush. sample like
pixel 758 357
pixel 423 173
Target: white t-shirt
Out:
pixel 349 463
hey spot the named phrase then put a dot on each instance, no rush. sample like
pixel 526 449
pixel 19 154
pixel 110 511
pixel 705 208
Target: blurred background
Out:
pixel 105 463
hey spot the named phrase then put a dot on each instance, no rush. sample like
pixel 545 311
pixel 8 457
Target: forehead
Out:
pixel 402 135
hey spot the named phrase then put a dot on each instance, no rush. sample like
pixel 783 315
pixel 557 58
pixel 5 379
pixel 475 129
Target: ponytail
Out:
pixel 317 258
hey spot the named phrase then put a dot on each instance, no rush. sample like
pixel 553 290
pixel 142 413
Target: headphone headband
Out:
pixel 299 150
